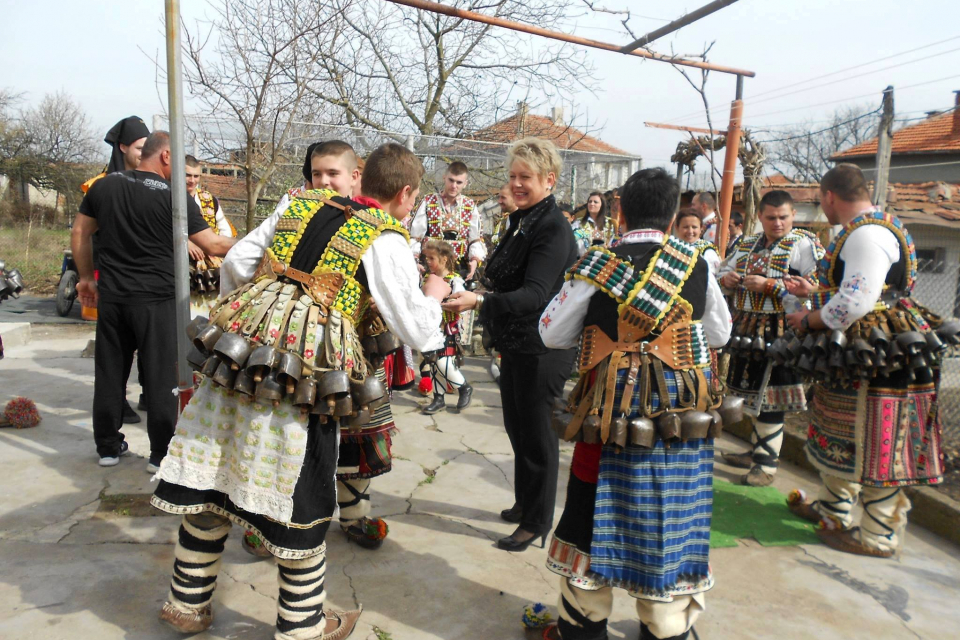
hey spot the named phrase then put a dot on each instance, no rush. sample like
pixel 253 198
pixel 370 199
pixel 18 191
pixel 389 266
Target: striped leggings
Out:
pixel 197 563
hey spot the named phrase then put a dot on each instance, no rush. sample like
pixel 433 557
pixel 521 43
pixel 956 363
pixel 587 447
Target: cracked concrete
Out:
pixel 69 571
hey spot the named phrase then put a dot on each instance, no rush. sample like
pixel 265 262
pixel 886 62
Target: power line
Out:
pixel 836 126
pixel 916 166
pixel 833 73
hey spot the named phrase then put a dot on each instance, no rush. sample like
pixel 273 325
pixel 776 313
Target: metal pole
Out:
pixel 178 188
pixel 434 7
pixel 680 22
pixel 730 169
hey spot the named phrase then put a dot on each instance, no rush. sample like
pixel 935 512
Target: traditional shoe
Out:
pixel 436 406
pixel 551 632
pixel 195 622
pixel 253 545
pixel 513 514
pixel 129 415
pixel 369 533
pixel 798 505
pixel 757 477
pixel 340 624
pixel 466 394
pixel 738 460
pixel 845 540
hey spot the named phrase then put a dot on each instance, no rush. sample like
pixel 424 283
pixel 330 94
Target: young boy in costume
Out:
pixel 284 373
pixel 638 508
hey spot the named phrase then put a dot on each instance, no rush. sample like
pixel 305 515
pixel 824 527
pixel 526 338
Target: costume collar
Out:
pixel 367 202
pixel 642 235
pixel 709 218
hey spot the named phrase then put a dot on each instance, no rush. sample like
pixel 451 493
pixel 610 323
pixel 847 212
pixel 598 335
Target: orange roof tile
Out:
pixel 936 134
pixel 564 136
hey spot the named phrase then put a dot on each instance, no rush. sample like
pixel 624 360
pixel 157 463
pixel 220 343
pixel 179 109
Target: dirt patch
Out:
pixel 126 505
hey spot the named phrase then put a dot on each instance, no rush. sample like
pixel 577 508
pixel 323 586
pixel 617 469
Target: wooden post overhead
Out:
pixel 679 23
pixel 435 7
pixel 677 127
pixel 884 149
pixel 731 153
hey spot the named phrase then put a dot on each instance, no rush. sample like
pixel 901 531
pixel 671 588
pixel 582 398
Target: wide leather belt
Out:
pixel 674 347
pixel 322 287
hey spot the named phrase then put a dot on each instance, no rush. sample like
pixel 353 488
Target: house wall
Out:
pixel 914 175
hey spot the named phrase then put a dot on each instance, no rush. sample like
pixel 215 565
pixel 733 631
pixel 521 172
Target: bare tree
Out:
pixel 249 65
pixel 803 152
pixel 401 69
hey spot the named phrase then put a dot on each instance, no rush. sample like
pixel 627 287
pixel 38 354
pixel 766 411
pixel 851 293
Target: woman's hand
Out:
pixel 798 286
pixel 460 302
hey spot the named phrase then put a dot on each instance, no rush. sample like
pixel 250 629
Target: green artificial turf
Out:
pixel 755 512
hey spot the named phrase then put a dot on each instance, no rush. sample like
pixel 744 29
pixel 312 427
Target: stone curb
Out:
pixel 15 334
pixel 931 510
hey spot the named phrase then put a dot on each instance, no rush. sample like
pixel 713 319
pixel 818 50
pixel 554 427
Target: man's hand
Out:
pixel 87 292
pixel 795 320
pixel 730 280
pixel 435 287
pixel 757 284
pixel 460 302
pixel 195 252
pixel 798 286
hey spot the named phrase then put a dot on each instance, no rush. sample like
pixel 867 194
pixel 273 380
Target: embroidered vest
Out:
pixel 208 208
pixel 772 262
pixel 453 222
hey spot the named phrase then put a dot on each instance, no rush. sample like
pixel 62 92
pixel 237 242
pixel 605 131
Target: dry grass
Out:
pixel 37 252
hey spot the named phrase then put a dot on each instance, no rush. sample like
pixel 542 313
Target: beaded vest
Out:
pixel 772 262
pixel 456 219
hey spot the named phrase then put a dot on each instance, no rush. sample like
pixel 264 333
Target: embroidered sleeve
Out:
pixel 478 248
pixel 562 321
pixel 418 227
pixel 242 260
pixel 867 255
pixel 716 316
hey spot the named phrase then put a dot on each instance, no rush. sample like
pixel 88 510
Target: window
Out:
pixel 931 260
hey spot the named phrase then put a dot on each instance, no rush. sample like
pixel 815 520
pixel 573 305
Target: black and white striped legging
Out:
pixel 197 563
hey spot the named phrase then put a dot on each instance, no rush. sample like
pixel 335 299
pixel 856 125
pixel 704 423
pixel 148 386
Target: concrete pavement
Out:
pixel 83 557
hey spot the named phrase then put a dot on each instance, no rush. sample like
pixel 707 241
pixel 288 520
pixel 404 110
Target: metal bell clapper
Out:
pixel 591 429
pixel 263 359
pixel 642 432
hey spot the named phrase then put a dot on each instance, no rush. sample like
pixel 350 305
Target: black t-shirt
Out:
pixel 134 214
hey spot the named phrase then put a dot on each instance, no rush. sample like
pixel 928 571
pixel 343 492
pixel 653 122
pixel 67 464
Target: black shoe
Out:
pixel 646 634
pixel 129 415
pixel 514 543
pixel 513 514
pixel 466 394
pixel 436 406
pixel 142 403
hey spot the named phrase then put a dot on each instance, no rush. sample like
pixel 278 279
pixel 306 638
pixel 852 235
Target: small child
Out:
pixel 441 261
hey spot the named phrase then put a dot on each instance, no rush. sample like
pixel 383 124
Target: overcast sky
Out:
pixel 90 50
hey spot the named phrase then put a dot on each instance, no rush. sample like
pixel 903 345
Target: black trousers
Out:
pixel 529 385
pixel 150 329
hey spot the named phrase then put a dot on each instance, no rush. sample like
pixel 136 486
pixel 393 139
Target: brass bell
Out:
pixel 731 410
pixel 668 426
pixel 210 366
pixel 225 376
pixel 263 359
pixel 694 425
pixel 642 433
pixel 618 432
pixel 207 337
pixel 370 393
pixel 233 349
pixel 716 424
pixel 269 390
pixel 244 384
pixel 195 326
pixel 289 371
pixel 591 429
pixel 306 393
pixel 387 343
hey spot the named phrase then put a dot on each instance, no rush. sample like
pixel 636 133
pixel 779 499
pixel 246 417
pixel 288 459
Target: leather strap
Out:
pixel 610 389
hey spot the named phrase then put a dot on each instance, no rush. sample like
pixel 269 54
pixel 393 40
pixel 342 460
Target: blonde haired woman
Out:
pixel 524 273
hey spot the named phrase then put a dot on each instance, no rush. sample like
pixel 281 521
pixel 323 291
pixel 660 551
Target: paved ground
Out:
pixel 39 309
pixel 82 559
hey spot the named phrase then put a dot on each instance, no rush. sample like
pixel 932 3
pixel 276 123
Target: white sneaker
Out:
pixel 152 468
pixel 112 461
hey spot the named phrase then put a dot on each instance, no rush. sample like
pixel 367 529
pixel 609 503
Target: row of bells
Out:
pixel 834 357
pixel 643 432
pixel 205 281
pixel 269 375
pixel 11 282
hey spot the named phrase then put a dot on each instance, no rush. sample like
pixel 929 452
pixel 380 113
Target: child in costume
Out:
pixel 443 366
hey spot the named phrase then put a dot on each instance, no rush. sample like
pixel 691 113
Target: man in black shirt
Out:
pixel 132 214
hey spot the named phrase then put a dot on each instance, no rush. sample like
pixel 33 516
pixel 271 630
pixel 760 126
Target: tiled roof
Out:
pixel 564 136
pixel 929 203
pixel 937 134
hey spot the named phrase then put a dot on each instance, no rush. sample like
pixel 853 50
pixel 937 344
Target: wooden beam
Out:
pixel 884 149
pixel 676 127
pixel 731 154
pixel 677 24
pixel 434 7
